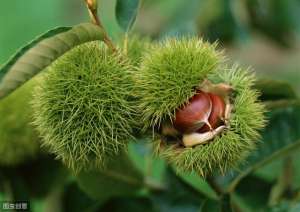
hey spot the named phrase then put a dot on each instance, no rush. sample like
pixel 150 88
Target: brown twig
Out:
pixel 93 12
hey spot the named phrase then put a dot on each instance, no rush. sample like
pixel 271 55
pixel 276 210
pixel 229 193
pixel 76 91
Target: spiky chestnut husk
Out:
pixel 234 143
pixel 169 75
pixel 83 107
pixel 135 47
pixel 19 141
pixel 169 78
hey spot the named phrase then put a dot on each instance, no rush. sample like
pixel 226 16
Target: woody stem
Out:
pixel 93 12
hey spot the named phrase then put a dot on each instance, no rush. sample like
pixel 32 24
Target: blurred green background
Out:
pixel 263 34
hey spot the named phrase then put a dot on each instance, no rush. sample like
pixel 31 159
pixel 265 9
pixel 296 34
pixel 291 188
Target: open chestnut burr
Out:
pixel 204 116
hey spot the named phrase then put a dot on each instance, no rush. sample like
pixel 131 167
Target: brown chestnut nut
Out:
pixel 217 114
pixel 194 115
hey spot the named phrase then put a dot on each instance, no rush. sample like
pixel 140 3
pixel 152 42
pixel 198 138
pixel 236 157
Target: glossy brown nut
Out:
pixel 195 114
pixel 217 114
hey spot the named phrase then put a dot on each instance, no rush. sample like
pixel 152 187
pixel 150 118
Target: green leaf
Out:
pixel 286 206
pixel 275 90
pixel 211 205
pixel 41 52
pixel 247 196
pixel 126 12
pixel 271 171
pixel 48 174
pixel 280 138
pixel 240 202
pixel 140 204
pixel 227 205
pixel 119 178
pixel 178 196
pixel 75 200
pixel 199 184
pixel 295 208
pixel 140 152
pixel 284 182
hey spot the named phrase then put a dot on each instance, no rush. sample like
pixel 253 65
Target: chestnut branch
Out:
pixel 93 12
